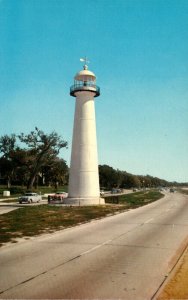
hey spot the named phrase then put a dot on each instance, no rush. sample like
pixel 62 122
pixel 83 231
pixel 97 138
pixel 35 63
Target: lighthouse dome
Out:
pixel 85 75
pixel 85 81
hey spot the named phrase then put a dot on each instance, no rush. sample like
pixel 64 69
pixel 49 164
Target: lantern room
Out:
pixel 85 80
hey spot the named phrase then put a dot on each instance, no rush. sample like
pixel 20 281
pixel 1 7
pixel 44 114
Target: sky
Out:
pixel 138 50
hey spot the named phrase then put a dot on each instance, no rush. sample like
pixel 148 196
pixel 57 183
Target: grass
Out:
pixel 34 220
pixel 183 191
pixel 134 200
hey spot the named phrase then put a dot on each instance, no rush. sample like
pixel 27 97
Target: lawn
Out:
pixel 137 199
pixel 34 220
pixel 183 191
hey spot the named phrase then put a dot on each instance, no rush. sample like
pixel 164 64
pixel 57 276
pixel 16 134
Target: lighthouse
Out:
pixel 84 176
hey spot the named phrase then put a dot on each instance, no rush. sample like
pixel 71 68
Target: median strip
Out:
pixel 35 220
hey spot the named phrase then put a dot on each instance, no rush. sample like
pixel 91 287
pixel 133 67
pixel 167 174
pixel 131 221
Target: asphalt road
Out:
pixel 126 256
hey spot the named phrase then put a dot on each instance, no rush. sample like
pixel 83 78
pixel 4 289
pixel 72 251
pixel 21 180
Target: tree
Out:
pixel 7 145
pixel 130 181
pixel 7 164
pixel 108 176
pixel 23 160
pixel 55 173
pixel 42 148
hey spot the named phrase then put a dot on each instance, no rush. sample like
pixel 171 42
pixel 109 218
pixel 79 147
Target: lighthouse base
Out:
pixel 84 201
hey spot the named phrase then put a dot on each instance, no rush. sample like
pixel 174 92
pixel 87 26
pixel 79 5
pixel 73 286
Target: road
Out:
pixel 126 256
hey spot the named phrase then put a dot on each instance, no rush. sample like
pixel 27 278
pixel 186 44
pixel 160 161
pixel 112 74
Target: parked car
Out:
pixel 57 197
pixel 30 198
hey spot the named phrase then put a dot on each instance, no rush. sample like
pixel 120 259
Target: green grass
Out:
pixel 183 191
pixel 34 220
pixel 46 190
pixel 134 200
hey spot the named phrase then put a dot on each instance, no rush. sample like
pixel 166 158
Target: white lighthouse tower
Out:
pixel 84 177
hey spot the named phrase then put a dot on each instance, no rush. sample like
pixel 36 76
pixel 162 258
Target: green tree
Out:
pixel 43 148
pixel 108 176
pixel 7 145
pixel 55 173
pixel 130 181
pixel 8 165
pixel 23 159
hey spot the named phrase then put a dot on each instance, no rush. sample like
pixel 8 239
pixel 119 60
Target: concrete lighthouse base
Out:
pixel 84 201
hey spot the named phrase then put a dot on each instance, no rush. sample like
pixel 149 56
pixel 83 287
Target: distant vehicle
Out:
pixel 116 191
pixel 172 190
pixel 30 198
pixel 57 197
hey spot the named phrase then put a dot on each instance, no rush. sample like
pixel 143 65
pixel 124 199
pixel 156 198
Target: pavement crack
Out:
pixel 153 297
pixel 169 273
pixel 42 273
pixel 139 246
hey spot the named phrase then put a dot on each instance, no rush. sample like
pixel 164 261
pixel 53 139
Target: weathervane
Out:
pixel 86 61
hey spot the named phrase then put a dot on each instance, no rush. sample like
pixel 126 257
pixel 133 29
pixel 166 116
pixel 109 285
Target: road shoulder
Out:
pixel 176 287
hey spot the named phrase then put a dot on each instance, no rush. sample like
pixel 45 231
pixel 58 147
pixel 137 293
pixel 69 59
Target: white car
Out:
pixel 30 198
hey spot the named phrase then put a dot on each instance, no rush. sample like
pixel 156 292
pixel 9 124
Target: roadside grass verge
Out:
pixel 31 221
pixel 183 191
pixel 137 199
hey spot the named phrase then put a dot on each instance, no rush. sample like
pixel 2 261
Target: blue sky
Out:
pixel 138 50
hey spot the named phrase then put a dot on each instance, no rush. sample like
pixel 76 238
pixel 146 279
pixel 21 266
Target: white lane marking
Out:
pixel 148 221
pixel 96 247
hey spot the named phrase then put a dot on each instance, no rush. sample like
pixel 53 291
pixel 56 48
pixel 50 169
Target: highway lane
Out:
pixel 126 256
